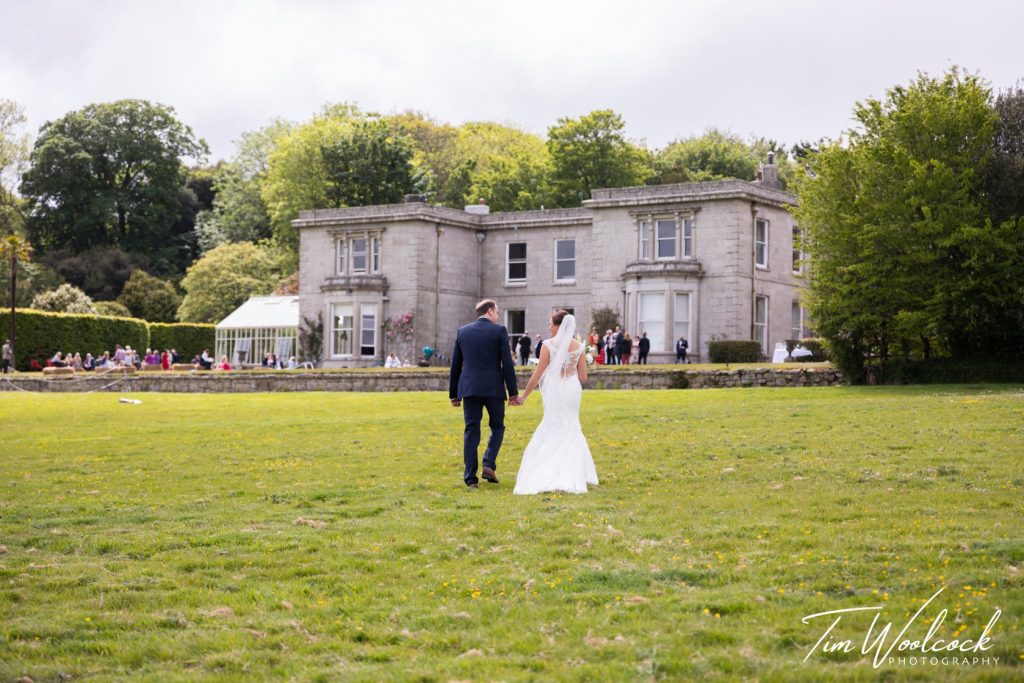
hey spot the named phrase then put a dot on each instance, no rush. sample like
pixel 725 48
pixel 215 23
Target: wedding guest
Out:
pixel 8 356
pixel 618 345
pixel 223 365
pixel 57 361
pixel 76 361
pixel 681 346
pixel 538 343
pixel 627 348
pixel 524 348
pixel 292 363
pixel 105 361
pixel 643 347
pixel 391 362
pixel 118 355
pixel 608 344
pixel 89 363
pixel 206 360
pixel 272 362
pixel 165 360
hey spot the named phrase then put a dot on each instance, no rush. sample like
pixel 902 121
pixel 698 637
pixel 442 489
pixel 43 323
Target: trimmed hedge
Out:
pixel 188 339
pixel 816 347
pixel 41 334
pixel 734 351
pixel 951 371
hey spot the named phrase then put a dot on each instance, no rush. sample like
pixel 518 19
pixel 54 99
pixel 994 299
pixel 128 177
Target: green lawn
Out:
pixel 329 537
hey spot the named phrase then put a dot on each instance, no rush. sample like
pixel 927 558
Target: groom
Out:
pixel 482 369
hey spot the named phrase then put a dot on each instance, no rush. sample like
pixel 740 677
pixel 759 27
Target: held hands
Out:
pixel 517 400
pixel 456 403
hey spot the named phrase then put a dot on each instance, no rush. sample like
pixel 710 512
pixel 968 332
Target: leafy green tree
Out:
pixel 150 298
pixel 13 149
pixel 369 164
pixel 1004 179
pixel 440 157
pixel 509 167
pixel 109 175
pixel 716 155
pixel 592 152
pixel 225 277
pixel 296 177
pixel 906 260
pixel 64 299
pixel 238 212
pixel 100 271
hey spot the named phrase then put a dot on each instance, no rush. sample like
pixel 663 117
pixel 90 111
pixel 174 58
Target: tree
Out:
pixel 150 298
pixel 225 277
pixel 1004 180
pixel 112 308
pixel 592 152
pixel 509 167
pixel 906 259
pixel 14 249
pixel 108 175
pixel 716 155
pixel 13 149
pixel 238 212
pixel 296 178
pixel 369 164
pixel 100 271
pixel 64 299
pixel 440 156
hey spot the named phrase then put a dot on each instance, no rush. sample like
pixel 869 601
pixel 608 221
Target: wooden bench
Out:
pixel 125 370
pixel 185 367
pixel 151 368
pixel 58 373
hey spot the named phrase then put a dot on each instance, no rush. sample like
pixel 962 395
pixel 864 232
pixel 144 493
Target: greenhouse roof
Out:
pixel 263 311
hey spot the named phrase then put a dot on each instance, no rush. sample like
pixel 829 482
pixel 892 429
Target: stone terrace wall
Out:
pixel 397 380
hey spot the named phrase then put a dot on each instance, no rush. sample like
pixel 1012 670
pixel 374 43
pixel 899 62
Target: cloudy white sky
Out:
pixel 786 69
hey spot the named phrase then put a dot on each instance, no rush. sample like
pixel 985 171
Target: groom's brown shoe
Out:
pixel 489 475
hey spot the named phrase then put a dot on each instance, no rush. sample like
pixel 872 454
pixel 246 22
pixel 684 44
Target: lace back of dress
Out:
pixel 569 366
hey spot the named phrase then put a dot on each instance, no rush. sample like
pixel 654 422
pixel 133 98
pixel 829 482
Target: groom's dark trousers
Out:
pixel 482 372
pixel 473 412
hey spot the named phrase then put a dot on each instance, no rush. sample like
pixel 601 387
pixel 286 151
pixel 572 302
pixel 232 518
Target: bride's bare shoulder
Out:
pixel 573 345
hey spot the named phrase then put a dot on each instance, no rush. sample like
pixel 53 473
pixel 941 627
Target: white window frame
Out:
pixel 688 226
pixel 508 321
pixel 340 252
pixel 645 240
pixel 677 330
pixel 375 255
pixel 509 262
pixel 797 316
pixel 657 342
pixel 335 329
pixel 565 280
pixel 364 310
pixel 761 243
pixel 365 254
pixel 658 239
pixel 761 328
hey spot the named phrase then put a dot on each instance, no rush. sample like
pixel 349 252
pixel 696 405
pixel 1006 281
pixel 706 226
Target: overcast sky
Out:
pixel 784 69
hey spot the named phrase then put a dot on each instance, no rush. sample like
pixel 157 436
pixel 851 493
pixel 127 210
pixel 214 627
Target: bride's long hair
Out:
pixel 559 346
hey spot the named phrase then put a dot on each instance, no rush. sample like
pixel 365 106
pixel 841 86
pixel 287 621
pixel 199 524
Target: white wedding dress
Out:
pixel 558 457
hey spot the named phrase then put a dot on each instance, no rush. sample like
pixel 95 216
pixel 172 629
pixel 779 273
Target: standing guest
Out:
pixel 644 348
pixel 627 348
pixel 681 346
pixel 608 345
pixel 8 356
pixel 618 345
pixel 223 365
pixel 538 343
pixel 118 355
pixel 165 360
pixel 594 339
pixel 524 348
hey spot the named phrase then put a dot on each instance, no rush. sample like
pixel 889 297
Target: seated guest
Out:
pixel 196 360
pixel 89 363
pixel 57 361
pixel 292 363
pixel 392 361
pixel 224 365
pixel 104 361
pixel 76 362
pixel 206 360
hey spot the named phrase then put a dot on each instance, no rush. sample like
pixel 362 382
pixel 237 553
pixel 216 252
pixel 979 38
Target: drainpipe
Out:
pixel 437 282
pixel 753 267
pixel 480 237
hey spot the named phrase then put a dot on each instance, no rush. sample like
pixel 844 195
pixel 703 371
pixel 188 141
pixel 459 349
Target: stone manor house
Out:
pixel 707 261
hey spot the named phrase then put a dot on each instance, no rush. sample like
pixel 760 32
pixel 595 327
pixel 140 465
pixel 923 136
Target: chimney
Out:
pixel 480 209
pixel 415 199
pixel 770 173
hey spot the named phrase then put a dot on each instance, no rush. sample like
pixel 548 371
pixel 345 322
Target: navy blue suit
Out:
pixel 482 371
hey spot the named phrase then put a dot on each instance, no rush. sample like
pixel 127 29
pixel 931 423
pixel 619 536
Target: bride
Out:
pixel 557 457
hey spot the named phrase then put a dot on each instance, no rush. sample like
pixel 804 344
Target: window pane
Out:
pixel 795 325
pixel 516 322
pixel 376 254
pixel 517 271
pixel 368 331
pixel 358 255
pixel 645 240
pixel 666 239
pixel 688 237
pixel 517 251
pixel 566 249
pixel 341 256
pixel 566 270
pixel 761 242
pixel 342 322
pixel 682 316
pixel 652 319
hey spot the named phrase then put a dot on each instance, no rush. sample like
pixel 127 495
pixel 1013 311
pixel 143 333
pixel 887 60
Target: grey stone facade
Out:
pixel 700 279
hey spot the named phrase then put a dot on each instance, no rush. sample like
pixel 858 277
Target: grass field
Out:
pixel 329 537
